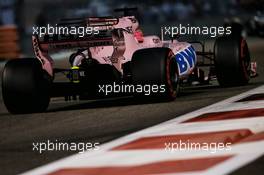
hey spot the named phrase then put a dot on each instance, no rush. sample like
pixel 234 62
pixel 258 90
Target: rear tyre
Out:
pixel 158 68
pixel 25 86
pixel 232 61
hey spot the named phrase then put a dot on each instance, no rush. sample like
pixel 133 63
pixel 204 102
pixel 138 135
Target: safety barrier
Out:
pixel 9 42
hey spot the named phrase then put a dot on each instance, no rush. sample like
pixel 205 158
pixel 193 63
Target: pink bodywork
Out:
pixel 120 52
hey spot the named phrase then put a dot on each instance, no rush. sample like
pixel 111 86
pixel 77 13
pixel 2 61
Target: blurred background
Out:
pixel 17 17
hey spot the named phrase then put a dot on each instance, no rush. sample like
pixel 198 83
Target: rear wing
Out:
pixel 68 42
pixel 102 21
pixel 91 21
pixel 100 33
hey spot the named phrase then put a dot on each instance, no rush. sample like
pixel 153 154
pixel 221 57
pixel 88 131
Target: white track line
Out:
pixel 243 152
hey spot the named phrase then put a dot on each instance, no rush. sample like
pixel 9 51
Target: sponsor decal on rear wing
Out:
pixel 66 42
pixel 62 41
pixel 102 21
pixel 79 33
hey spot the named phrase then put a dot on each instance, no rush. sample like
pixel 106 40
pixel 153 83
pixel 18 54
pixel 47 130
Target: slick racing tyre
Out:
pixel 156 67
pixel 24 86
pixel 232 61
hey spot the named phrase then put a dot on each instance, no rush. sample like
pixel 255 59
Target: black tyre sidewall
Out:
pixel 152 67
pixel 24 88
pixel 229 61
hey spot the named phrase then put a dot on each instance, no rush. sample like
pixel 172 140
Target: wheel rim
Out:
pixel 172 76
pixel 245 61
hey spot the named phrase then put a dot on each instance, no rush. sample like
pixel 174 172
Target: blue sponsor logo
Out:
pixel 186 60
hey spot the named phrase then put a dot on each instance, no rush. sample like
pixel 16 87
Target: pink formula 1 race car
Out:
pixel 116 59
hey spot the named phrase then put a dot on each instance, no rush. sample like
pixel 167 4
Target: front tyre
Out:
pixel 232 61
pixel 25 88
pixel 156 67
